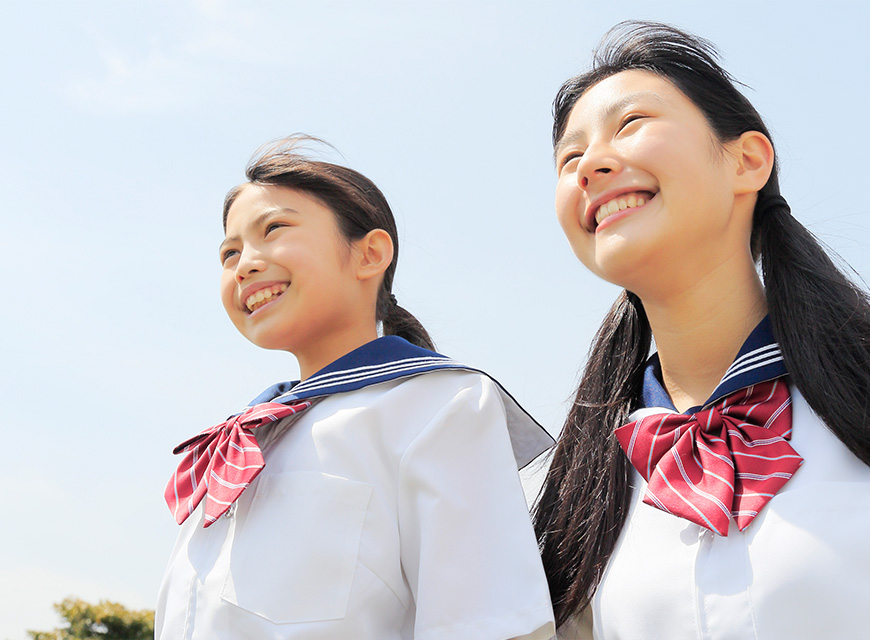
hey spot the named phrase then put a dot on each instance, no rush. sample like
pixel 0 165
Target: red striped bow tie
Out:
pixel 222 461
pixel 727 460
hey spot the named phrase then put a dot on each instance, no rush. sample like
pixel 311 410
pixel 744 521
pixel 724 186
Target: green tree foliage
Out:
pixel 105 621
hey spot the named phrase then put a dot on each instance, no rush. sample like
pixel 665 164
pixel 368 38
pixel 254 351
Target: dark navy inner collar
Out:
pixel 393 358
pixel 758 360
pixel 380 360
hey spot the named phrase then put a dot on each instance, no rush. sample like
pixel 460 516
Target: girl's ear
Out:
pixel 375 253
pixel 754 155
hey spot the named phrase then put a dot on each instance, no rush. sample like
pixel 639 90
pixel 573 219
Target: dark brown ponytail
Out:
pixel 399 322
pixel 583 504
pixel 821 320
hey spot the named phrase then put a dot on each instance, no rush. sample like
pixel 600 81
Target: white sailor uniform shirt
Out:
pixel 391 509
pixel 800 570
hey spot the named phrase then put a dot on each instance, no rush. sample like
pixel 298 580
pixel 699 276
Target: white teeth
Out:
pixel 258 299
pixel 618 204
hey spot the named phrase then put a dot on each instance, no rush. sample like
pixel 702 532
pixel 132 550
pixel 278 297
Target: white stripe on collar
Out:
pixel 359 374
pixel 393 358
pixel 753 360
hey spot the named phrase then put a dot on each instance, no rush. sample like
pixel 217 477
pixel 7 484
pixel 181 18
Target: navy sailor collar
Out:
pixel 393 358
pixel 758 360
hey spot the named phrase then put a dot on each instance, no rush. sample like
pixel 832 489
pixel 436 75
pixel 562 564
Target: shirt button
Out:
pixel 231 511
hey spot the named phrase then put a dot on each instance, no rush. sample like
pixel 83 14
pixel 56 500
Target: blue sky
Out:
pixel 124 124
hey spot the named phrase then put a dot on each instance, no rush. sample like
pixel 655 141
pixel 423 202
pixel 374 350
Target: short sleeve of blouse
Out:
pixel 468 547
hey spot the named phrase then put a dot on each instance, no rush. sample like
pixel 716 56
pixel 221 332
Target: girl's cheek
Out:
pixel 567 201
pixel 227 289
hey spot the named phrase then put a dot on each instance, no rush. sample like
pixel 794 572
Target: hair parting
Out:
pixel 357 203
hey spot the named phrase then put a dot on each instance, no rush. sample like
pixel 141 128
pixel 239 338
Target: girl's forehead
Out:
pixel 623 89
pixel 256 195
pixel 253 200
pixel 249 197
pixel 256 203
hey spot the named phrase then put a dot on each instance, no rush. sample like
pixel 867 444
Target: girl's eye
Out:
pixel 568 158
pixel 629 119
pixel 272 226
pixel 228 254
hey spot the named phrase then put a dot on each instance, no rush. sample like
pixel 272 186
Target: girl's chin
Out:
pixel 271 344
pixel 266 337
pixel 627 273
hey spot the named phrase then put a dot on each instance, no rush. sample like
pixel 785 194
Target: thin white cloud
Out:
pixel 155 83
pixel 210 48
pixel 175 73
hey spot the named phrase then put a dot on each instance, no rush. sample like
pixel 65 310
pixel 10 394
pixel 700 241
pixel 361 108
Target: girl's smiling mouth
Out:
pixel 620 203
pixel 265 296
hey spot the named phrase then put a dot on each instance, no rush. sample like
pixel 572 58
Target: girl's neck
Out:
pixel 329 349
pixel 699 331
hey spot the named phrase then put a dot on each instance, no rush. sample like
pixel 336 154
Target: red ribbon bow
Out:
pixel 222 461
pixel 727 460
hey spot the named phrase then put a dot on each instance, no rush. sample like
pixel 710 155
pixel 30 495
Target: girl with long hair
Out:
pixel 377 498
pixel 719 488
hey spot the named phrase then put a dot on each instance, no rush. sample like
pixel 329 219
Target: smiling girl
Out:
pixel 377 498
pixel 721 487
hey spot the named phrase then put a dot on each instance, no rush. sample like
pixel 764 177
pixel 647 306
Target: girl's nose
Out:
pixel 250 262
pixel 597 162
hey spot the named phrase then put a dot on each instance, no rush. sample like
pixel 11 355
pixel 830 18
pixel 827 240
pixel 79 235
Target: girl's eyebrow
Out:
pixel 572 137
pixel 256 222
pixel 630 99
pixel 567 140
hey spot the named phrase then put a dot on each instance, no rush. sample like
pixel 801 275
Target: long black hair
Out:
pixel 357 203
pixel 820 319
